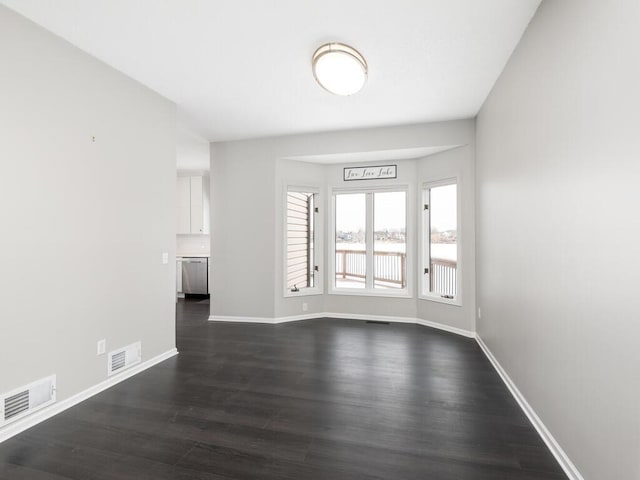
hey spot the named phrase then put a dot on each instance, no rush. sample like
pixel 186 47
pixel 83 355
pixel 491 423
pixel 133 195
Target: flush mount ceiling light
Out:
pixel 339 68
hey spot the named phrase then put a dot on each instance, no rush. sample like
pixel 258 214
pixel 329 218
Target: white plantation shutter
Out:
pixel 300 241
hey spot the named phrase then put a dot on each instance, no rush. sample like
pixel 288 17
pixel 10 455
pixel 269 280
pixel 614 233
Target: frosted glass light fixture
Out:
pixel 339 68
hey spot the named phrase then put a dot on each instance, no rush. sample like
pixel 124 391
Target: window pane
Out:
pixel 443 216
pixel 351 257
pixel 300 240
pixel 389 239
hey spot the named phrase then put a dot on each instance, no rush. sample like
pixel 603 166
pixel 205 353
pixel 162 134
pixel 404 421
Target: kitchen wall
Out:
pixel 247 183
pixel 558 228
pixel 187 245
pixel 193 158
pixel 87 207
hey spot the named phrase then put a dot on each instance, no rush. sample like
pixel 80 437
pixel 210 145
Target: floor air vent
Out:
pixel 377 322
pixel 123 358
pixel 28 399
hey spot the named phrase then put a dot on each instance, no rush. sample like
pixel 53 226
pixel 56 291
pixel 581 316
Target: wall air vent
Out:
pixel 123 358
pixel 28 399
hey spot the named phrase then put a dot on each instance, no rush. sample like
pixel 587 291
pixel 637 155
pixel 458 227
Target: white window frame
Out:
pixel 425 241
pixel 370 291
pixel 318 283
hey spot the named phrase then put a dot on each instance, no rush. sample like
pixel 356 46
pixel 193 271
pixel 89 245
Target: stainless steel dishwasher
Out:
pixel 195 275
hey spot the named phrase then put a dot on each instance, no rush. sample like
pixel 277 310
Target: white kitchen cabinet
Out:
pixel 193 198
pixel 184 205
pixel 197 209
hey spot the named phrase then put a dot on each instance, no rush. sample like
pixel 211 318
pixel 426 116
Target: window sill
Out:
pixel 370 293
pixel 438 299
pixel 305 292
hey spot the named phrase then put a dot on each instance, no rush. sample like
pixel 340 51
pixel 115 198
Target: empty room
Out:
pixel 338 240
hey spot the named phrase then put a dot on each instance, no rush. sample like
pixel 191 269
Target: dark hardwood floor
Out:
pixel 321 399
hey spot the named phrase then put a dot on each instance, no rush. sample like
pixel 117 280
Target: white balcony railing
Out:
pixel 391 270
pixel 443 277
pixel 390 267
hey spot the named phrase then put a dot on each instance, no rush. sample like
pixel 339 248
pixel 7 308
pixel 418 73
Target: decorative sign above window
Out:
pixel 371 173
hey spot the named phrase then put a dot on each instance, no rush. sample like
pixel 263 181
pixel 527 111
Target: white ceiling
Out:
pixel 241 68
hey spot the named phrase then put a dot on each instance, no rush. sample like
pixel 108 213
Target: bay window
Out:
pixel 301 253
pixel 441 242
pixel 370 242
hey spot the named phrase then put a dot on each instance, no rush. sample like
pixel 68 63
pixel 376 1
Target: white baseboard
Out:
pixel 375 318
pixel 351 316
pixel 239 319
pixel 269 320
pixel 447 328
pixel 295 318
pixel 392 319
pixel 557 451
pixel 58 407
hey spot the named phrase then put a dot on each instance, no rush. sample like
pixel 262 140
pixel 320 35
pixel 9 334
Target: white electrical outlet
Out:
pixel 102 346
pixel 165 258
pixel 305 306
pixel 479 313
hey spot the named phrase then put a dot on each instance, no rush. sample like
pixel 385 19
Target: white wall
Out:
pixel 557 206
pixel 242 229
pixel 248 178
pixel 460 164
pixel 192 150
pixel 83 223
